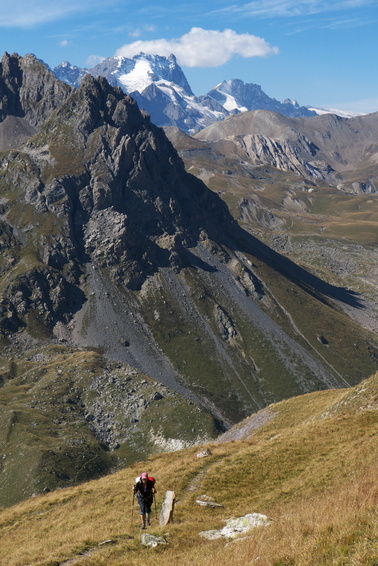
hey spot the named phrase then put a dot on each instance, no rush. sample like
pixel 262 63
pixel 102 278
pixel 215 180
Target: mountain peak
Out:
pixel 139 72
pixel 30 92
pixel 236 96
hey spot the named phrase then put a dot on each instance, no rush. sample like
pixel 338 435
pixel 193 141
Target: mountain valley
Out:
pixel 143 311
pixel 302 186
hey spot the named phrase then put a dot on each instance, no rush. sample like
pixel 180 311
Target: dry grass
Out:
pixel 333 528
pixel 314 472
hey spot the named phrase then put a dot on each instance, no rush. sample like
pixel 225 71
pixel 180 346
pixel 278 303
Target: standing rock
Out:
pixel 166 514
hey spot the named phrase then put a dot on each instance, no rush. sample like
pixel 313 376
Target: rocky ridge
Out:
pixel 338 151
pixel 28 95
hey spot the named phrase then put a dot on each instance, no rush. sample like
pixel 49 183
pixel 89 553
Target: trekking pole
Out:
pixel 132 508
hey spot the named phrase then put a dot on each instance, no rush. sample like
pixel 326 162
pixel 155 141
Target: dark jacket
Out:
pixel 147 493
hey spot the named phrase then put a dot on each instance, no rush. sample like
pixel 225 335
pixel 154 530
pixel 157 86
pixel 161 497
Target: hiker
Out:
pixel 145 491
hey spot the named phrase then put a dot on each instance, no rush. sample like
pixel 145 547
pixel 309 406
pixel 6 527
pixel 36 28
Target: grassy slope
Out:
pixel 312 467
pixel 46 441
pixel 180 333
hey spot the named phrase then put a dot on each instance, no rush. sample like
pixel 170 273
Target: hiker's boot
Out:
pixel 143 526
pixel 148 521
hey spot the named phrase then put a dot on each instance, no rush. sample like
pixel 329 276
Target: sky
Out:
pixel 318 52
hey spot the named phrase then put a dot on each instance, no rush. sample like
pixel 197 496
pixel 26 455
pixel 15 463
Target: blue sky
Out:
pixel 321 53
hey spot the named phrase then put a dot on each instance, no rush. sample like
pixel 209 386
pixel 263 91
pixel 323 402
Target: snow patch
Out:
pixel 139 78
pixel 341 113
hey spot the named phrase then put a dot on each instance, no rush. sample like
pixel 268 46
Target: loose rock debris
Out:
pixel 235 527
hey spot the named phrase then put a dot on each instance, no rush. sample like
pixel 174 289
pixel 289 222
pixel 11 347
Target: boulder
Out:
pixel 204 453
pixel 207 501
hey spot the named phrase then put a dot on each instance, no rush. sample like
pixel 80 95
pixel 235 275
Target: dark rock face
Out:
pixel 133 192
pixel 28 91
pixel 47 294
pixel 122 197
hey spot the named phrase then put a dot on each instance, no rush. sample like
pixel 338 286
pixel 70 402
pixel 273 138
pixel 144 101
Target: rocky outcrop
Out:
pixel 122 197
pixel 46 294
pixel 339 151
pixel 207 501
pixel 225 324
pixel 29 92
pixel 152 541
pixel 239 526
pixel 298 157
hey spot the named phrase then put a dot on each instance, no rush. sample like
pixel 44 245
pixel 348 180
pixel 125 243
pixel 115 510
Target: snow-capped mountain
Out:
pixel 236 96
pixel 141 71
pixel 160 87
pixel 70 74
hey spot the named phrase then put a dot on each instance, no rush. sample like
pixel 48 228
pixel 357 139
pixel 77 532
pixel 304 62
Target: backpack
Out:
pixel 150 478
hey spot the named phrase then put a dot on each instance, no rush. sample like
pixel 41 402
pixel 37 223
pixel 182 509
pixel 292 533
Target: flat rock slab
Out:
pixel 152 541
pixel 235 527
pixel 204 453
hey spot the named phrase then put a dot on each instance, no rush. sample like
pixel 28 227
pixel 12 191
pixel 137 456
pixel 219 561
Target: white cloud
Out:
pixel 203 48
pixel 362 106
pixel 94 60
pixel 135 33
pixel 273 8
pixel 64 43
pixel 24 13
pixel 139 31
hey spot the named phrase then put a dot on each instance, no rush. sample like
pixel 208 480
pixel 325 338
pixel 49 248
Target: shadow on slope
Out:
pixel 246 243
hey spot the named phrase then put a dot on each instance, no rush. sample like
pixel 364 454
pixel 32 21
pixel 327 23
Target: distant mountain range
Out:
pixel 160 87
